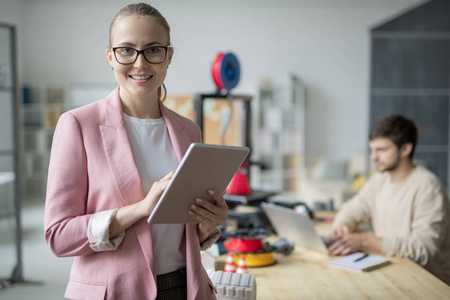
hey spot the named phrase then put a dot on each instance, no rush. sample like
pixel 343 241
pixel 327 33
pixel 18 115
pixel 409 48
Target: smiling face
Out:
pixel 139 80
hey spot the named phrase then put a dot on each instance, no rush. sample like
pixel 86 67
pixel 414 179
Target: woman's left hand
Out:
pixel 209 215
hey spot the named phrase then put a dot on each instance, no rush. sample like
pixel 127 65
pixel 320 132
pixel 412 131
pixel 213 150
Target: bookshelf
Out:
pixel 41 107
pixel 280 136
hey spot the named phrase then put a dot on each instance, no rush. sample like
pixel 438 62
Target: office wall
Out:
pixel 325 42
pixel 411 76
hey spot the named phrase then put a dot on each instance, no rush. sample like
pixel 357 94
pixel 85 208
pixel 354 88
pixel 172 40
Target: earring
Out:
pixel 112 68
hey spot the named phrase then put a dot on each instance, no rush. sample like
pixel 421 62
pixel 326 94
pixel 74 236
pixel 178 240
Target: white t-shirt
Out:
pixel 155 157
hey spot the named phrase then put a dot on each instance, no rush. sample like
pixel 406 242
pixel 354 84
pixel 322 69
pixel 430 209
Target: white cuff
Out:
pixel 98 231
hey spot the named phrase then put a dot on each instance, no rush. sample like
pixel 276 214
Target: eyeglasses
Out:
pixel 128 55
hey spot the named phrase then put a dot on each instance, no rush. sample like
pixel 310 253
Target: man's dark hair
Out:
pixel 399 129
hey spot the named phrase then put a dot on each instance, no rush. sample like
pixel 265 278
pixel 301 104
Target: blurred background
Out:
pixel 319 73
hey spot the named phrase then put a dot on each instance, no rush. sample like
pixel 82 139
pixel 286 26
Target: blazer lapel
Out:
pixel 123 166
pixel 119 153
pixel 118 148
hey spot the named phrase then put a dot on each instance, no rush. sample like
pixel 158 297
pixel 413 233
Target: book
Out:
pixel 359 262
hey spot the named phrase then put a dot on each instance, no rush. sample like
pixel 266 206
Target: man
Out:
pixel 406 204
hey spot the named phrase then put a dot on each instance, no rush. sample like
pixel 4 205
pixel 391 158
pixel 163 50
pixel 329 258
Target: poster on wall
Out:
pixel 223 121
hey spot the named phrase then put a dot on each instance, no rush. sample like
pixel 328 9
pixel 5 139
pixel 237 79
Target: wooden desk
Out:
pixel 305 274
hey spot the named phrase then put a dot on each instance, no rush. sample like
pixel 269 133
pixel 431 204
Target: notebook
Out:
pixel 363 265
pixel 295 227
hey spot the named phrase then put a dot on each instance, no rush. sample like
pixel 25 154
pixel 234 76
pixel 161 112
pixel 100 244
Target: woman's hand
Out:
pixel 209 215
pixel 130 214
pixel 149 202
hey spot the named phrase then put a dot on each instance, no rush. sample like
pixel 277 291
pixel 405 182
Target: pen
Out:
pixel 361 257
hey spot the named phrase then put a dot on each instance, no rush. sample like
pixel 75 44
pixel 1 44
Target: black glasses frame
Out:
pixel 166 48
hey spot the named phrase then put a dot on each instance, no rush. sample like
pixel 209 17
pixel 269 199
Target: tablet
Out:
pixel 202 168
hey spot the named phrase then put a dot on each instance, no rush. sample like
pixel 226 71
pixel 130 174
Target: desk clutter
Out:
pixel 245 248
pixel 233 286
pixel 248 243
pixel 230 265
pixel 305 272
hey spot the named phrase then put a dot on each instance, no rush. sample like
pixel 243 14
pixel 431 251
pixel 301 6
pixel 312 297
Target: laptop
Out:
pixel 295 226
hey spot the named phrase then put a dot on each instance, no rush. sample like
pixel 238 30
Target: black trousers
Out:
pixel 172 286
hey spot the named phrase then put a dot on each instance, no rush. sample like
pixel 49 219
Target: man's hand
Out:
pixel 208 214
pixel 339 231
pixel 346 243
pixel 343 241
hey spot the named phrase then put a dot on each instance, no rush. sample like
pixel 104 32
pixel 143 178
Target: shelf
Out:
pixel 281 135
pixel 43 104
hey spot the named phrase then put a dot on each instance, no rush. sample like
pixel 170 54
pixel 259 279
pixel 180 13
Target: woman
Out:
pixel 111 161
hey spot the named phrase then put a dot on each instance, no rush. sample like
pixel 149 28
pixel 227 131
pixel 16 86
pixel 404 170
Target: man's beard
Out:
pixel 392 166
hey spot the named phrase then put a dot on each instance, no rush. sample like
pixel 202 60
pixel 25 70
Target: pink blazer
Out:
pixel 92 169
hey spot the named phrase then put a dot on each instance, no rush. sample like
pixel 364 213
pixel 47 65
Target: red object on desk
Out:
pixel 243 245
pixel 239 185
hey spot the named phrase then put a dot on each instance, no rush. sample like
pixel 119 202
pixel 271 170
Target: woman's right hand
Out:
pixel 128 215
pixel 149 202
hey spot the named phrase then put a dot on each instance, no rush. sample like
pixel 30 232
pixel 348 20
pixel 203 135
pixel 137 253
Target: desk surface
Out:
pixel 305 274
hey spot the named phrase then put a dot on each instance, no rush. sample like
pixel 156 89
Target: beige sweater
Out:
pixel 412 217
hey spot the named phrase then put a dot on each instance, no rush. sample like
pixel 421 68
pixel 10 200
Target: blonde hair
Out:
pixel 143 10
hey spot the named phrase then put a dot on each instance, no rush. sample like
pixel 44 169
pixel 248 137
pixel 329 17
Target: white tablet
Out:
pixel 202 168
